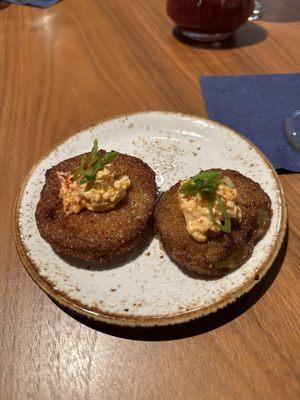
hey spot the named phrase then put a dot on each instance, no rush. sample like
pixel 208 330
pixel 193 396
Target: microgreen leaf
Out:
pixel 228 182
pixel 211 213
pixel 90 174
pixel 206 176
pixel 92 163
pixel 94 153
pixel 108 158
pixel 189 188
pixel 76 174
pixel 206 181
pixel 226 227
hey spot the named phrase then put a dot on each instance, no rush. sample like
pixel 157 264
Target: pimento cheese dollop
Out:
pixel 198 222
pixel 102 194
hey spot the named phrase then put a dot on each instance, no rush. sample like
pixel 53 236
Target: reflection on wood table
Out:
pixel 79 61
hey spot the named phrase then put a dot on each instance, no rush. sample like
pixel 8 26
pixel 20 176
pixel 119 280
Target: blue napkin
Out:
pixel 37 3
pixel 256 106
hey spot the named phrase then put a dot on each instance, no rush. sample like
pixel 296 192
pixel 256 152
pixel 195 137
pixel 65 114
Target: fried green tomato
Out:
pixel 90 235
pixel 226 251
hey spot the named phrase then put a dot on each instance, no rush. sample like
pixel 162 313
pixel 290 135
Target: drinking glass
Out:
pixel 292 129
pixel 257 11
pixel 209 20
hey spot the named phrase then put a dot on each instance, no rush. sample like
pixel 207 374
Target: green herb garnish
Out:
pixel 207 183
pixel 92 163
pixel 228 182
pixel 226 227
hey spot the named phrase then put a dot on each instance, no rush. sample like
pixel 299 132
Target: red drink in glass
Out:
pixel 209 20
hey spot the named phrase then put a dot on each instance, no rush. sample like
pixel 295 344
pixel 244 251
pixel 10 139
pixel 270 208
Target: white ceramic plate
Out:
pixel 146 288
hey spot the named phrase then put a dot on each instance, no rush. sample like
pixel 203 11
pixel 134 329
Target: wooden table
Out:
pixel 64 68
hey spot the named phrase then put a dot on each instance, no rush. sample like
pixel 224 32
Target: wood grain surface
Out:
pixel 65 67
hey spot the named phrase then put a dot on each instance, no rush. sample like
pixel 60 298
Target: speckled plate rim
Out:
pixel 143 321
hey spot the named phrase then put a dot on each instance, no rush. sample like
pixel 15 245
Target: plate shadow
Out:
pixel 198 326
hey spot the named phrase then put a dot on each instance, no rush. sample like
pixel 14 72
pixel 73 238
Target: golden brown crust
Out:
pixel 225 252
pixel 98 236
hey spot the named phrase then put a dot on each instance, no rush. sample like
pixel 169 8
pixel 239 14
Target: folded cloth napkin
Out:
pixel 37 3
pixel 256 106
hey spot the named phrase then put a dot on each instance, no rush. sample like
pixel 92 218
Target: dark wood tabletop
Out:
pixel 65 67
